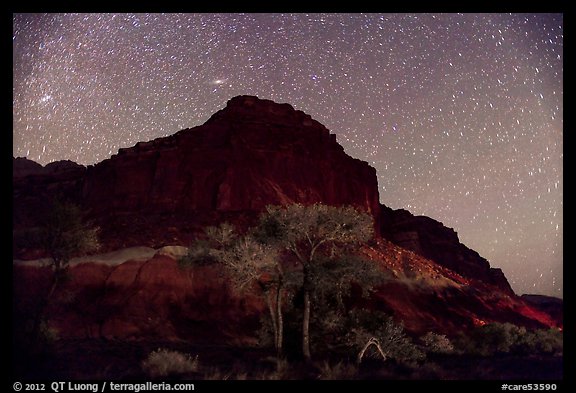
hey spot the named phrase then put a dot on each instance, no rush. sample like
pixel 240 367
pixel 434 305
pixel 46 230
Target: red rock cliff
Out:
pixel 250 154
pixel 431 239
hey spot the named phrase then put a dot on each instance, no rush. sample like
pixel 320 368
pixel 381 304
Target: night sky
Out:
pixel 460 114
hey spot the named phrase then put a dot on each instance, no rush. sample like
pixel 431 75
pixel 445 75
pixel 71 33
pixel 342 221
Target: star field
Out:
pixel 460 114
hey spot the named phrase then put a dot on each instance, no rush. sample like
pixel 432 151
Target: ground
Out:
pixel 97 359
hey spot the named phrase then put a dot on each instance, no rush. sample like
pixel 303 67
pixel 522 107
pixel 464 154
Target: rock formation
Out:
pixel 250 154
pixel 553 306
pixel 431 239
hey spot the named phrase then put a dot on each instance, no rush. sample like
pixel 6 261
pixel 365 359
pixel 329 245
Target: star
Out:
pixel 460 114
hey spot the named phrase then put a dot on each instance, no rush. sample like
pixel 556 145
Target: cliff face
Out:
pixel 431 239
pixel 552 306
pixel 250 154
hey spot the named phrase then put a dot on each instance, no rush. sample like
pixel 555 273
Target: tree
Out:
pixel 249 263
pixel 63 235
pixel 315 236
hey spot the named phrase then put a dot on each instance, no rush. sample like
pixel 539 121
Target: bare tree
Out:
pixel 314 235
pixel 317 239
pixel 249 263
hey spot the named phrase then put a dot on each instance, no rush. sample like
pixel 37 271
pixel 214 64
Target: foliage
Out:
pixel 333 278
pixel 543 341
pixel 164 362
pixel 437 343
pixel 293 249
pixel 498 337
pixel 351 331
pixel 265 334
pixel 249 263
pixel 247 260
pixel 64 234
pixel 304 229
pixel 48 334
pixel 393 340
pixel 315 236
pixel 198 255
pixel 282 371
pixel 489 339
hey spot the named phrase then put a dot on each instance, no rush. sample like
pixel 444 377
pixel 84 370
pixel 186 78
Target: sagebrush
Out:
pixel 164 362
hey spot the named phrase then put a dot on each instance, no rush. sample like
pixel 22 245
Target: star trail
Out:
pixel 460 114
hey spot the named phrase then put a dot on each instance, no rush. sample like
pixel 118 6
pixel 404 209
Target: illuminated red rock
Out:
pixel 250 154
pixel 553 306
pixel 151 297
pixel 137 299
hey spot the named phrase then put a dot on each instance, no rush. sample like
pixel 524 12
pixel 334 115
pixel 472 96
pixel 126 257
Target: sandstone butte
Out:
pixel 252 153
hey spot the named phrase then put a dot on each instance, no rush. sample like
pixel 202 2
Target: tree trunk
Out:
pixel 374 342
pixel 306 326
pixel 43 306
pixel 279 342
pixel 273 318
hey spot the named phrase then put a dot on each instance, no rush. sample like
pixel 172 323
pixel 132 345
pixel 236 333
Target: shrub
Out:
pixel 395 344
pixel 164 362
pixel 496 337
pixel 492 338
pixel 48 334
pixel 437 343
pixel 541 341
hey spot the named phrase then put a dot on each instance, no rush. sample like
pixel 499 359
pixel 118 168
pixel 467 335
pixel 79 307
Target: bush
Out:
pixel 48 334
pixel 497 337
pixel 364 325
pixel 541 341
pixel 490 339
pixel 164 362
pixel 437 343
pixel 215 374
